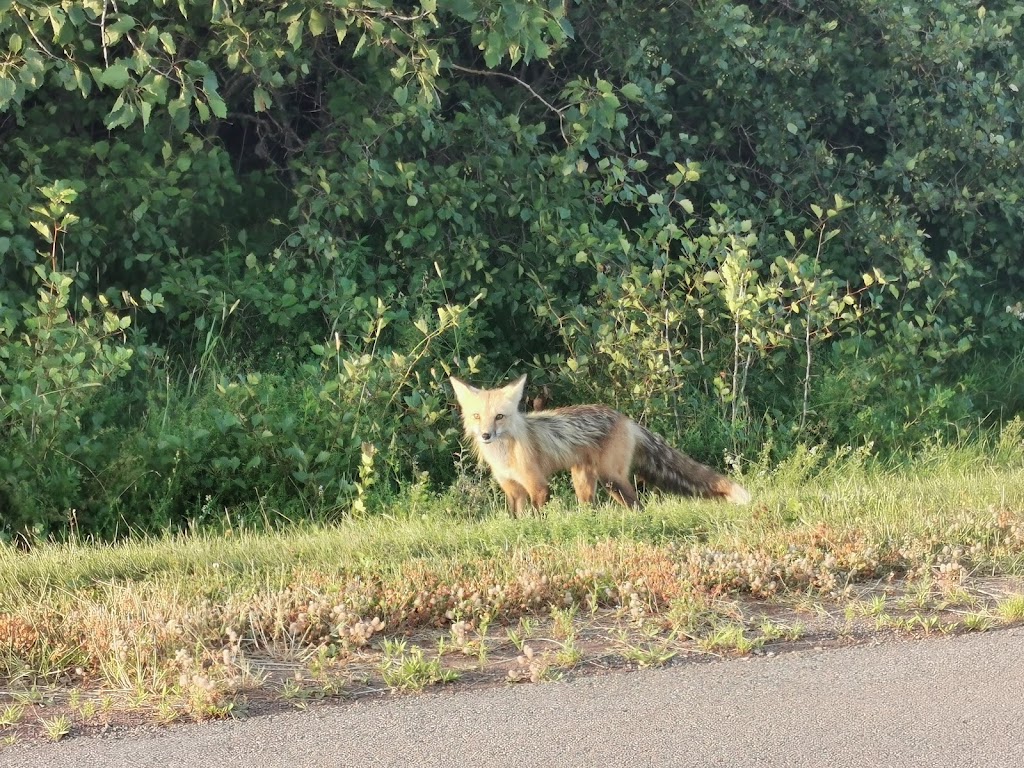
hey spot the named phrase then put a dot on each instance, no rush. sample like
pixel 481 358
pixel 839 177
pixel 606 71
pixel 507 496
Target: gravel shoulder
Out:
pixel 944 701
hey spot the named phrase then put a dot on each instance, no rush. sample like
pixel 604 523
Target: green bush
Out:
pixel 750 225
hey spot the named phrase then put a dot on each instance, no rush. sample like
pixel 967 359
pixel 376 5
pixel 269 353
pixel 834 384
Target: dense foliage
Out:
pixel 243 244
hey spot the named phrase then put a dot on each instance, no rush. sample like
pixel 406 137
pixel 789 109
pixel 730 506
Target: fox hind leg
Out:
pixel 615 466
pixel 585 478
pixel 623 492
pixel 584 481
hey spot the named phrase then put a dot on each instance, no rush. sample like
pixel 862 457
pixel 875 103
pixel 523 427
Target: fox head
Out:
pixel 488 414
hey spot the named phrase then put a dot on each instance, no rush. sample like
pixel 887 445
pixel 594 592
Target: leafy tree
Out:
pixel 272 230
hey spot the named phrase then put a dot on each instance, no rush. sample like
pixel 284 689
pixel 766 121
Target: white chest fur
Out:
pixel 500 456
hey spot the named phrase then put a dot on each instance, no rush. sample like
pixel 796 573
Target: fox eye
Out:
pixel 499 416
pixel 476 416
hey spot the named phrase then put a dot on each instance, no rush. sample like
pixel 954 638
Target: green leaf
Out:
pixel 57 20
pixel 494 49
pixel 261 99
pixel 43 229
pixel 179 112
pixel 113 32
pixel 340 29
pixel 295 33
pixel 217 105
pixel 317 23
pixel 8 90
pixel 360 44
pixel 115 76
pixel 631 91
pixel 82 80
pixel 168 43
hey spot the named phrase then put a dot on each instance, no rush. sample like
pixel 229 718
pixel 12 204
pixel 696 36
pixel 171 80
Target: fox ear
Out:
pixel 516 388
pixel 462 390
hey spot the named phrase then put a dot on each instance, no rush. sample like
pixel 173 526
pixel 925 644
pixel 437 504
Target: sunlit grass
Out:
pixel 172 624
pixel 958 493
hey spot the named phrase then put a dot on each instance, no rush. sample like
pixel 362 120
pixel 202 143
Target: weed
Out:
pixel 56 728
pixel 292 690
pixel 918 595
pixel 978 622
pixel 28 696
pixel 475 646
pixel 525 630
pixel 885 621
pixel 569 654
pixel 959 596
pixel 534 667
pixel 730 636
pixel 563 622
pixel 927 624
pixel 409 670
pixel 1011 608
pixel 167 712
pixel 481 640
pixel 876 606
pixel 11 715
pixel 771 630
pixel 689 615
pixel 648 654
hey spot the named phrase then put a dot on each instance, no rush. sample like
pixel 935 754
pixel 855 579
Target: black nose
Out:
pixel 486 435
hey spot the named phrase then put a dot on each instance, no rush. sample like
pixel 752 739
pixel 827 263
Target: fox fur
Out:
pixel 595 443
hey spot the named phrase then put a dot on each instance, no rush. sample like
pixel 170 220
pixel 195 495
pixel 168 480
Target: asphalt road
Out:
pixel 940 702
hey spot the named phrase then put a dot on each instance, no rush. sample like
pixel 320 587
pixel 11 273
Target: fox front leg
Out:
pixel 518 496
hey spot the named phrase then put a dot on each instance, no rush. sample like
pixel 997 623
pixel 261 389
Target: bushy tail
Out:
pixel 657 463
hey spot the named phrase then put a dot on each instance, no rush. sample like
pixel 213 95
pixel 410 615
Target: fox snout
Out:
pixel 487 436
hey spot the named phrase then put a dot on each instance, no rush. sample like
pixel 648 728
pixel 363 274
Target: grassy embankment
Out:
pixel 435 590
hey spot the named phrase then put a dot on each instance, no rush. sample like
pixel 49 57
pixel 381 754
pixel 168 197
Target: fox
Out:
pixel 594 442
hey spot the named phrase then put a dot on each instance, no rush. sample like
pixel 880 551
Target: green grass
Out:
pixel 183 625
pixel 960 491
